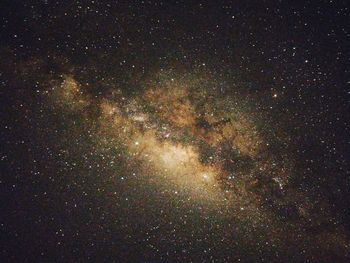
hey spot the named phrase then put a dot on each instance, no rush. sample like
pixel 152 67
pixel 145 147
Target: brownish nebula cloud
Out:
pixel 197 144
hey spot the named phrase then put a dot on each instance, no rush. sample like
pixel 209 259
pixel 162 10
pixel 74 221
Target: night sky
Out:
pixel 174 131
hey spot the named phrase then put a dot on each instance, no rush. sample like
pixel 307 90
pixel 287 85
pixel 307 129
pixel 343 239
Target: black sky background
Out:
pixel 296 49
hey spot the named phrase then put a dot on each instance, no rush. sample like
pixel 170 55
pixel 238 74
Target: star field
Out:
pixel 175 131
